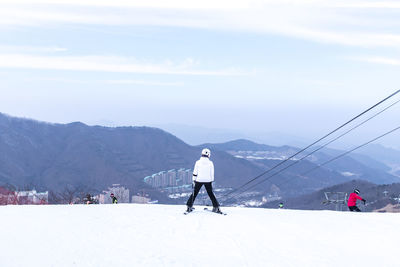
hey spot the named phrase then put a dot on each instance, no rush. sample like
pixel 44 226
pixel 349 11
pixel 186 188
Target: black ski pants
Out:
pixel 354 208
pixel 197 187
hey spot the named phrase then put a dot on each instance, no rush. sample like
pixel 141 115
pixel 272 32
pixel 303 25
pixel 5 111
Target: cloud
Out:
pixel 366 4
pixel 207 4
pixel 107 64
pixel 336 22
pixel 171 4
pixel 144 82
pixel 380 60
pixel 114 82
pixel 31 49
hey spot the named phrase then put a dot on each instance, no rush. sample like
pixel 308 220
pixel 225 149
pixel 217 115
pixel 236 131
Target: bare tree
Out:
pixel 70 194
pixel 24 195
pixel 12 195
pixel 4 196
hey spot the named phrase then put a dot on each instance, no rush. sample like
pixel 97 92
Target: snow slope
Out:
pixel 160 235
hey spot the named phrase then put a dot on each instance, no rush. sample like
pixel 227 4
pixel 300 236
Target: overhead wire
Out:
pixel 348 152
pixel 318 149
pixel 327 162
pixel 302 150
pixel 353 128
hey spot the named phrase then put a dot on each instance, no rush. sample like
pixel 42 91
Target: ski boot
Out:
pixel 216 210
pixel 189 209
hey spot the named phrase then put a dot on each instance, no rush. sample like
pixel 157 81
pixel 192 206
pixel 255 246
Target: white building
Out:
pixel 171 178
pixel 140 199
pixel 25 198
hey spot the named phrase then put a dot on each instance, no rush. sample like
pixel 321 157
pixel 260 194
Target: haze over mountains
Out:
pixel 195 135
pixel 357 166
pixel 53 156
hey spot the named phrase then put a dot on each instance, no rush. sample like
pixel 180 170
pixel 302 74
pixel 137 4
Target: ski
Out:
pixel 222 213
pixel 187 212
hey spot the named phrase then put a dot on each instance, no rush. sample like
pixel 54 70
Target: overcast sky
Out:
pixel 297 67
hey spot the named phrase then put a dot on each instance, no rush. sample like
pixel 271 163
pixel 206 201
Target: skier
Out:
pixel 351 203
pixel 203 174
pixel 114 200
pixel 89 199
pixel 281 205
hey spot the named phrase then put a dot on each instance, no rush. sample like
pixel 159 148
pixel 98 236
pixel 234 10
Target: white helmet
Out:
pixel 206 152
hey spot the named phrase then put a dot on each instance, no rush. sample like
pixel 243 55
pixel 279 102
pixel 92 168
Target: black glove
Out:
pixel 363 200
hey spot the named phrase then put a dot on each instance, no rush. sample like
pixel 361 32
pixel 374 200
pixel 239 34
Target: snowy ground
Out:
pixel 160 235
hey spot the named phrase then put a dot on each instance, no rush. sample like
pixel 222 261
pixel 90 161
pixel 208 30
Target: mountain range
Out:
pixel 355 166
pixel 53 157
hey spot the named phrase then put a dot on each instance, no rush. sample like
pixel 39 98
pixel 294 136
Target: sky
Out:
pixel 295 67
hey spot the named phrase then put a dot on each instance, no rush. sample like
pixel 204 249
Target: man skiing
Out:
pixel 351 203
pixel 114 200
pixel 203 174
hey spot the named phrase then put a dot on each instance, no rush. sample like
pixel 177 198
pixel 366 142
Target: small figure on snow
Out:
pixel 351 203
pixel 89 199
pixel 114 200
pixel 281 205
pixel 203 174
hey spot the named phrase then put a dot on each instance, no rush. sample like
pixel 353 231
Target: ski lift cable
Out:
pixel 329 161
pixel 326 144
pixel 355 127
pixel 320 139
pixel 348 152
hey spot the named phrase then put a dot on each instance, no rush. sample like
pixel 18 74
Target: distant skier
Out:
pixel 89 199
pixel 203 174
pixel 281 205
pixel 352 202
pixel 114 200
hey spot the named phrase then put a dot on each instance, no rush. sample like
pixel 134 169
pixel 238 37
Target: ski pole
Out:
pixel 193 193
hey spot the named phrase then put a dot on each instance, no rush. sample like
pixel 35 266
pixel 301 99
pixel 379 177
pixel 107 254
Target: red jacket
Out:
pixel 353 199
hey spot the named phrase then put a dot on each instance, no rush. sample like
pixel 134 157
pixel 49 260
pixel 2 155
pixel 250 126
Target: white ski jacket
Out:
pixel 203 170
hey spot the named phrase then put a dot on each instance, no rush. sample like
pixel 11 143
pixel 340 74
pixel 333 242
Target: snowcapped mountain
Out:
pixel 160 235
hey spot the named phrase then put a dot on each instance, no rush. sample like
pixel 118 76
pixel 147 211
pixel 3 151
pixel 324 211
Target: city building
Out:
pixel 32 197
pixel 172 180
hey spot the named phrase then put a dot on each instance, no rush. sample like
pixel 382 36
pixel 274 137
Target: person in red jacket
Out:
pixel 351 203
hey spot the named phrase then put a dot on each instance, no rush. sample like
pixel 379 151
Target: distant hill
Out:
pixel 357 167
pixel 195 135
pixel 288 183
pixel 382 153
pixel 240 145
pixel 53 156
pixel 377 196
pixel 386 155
